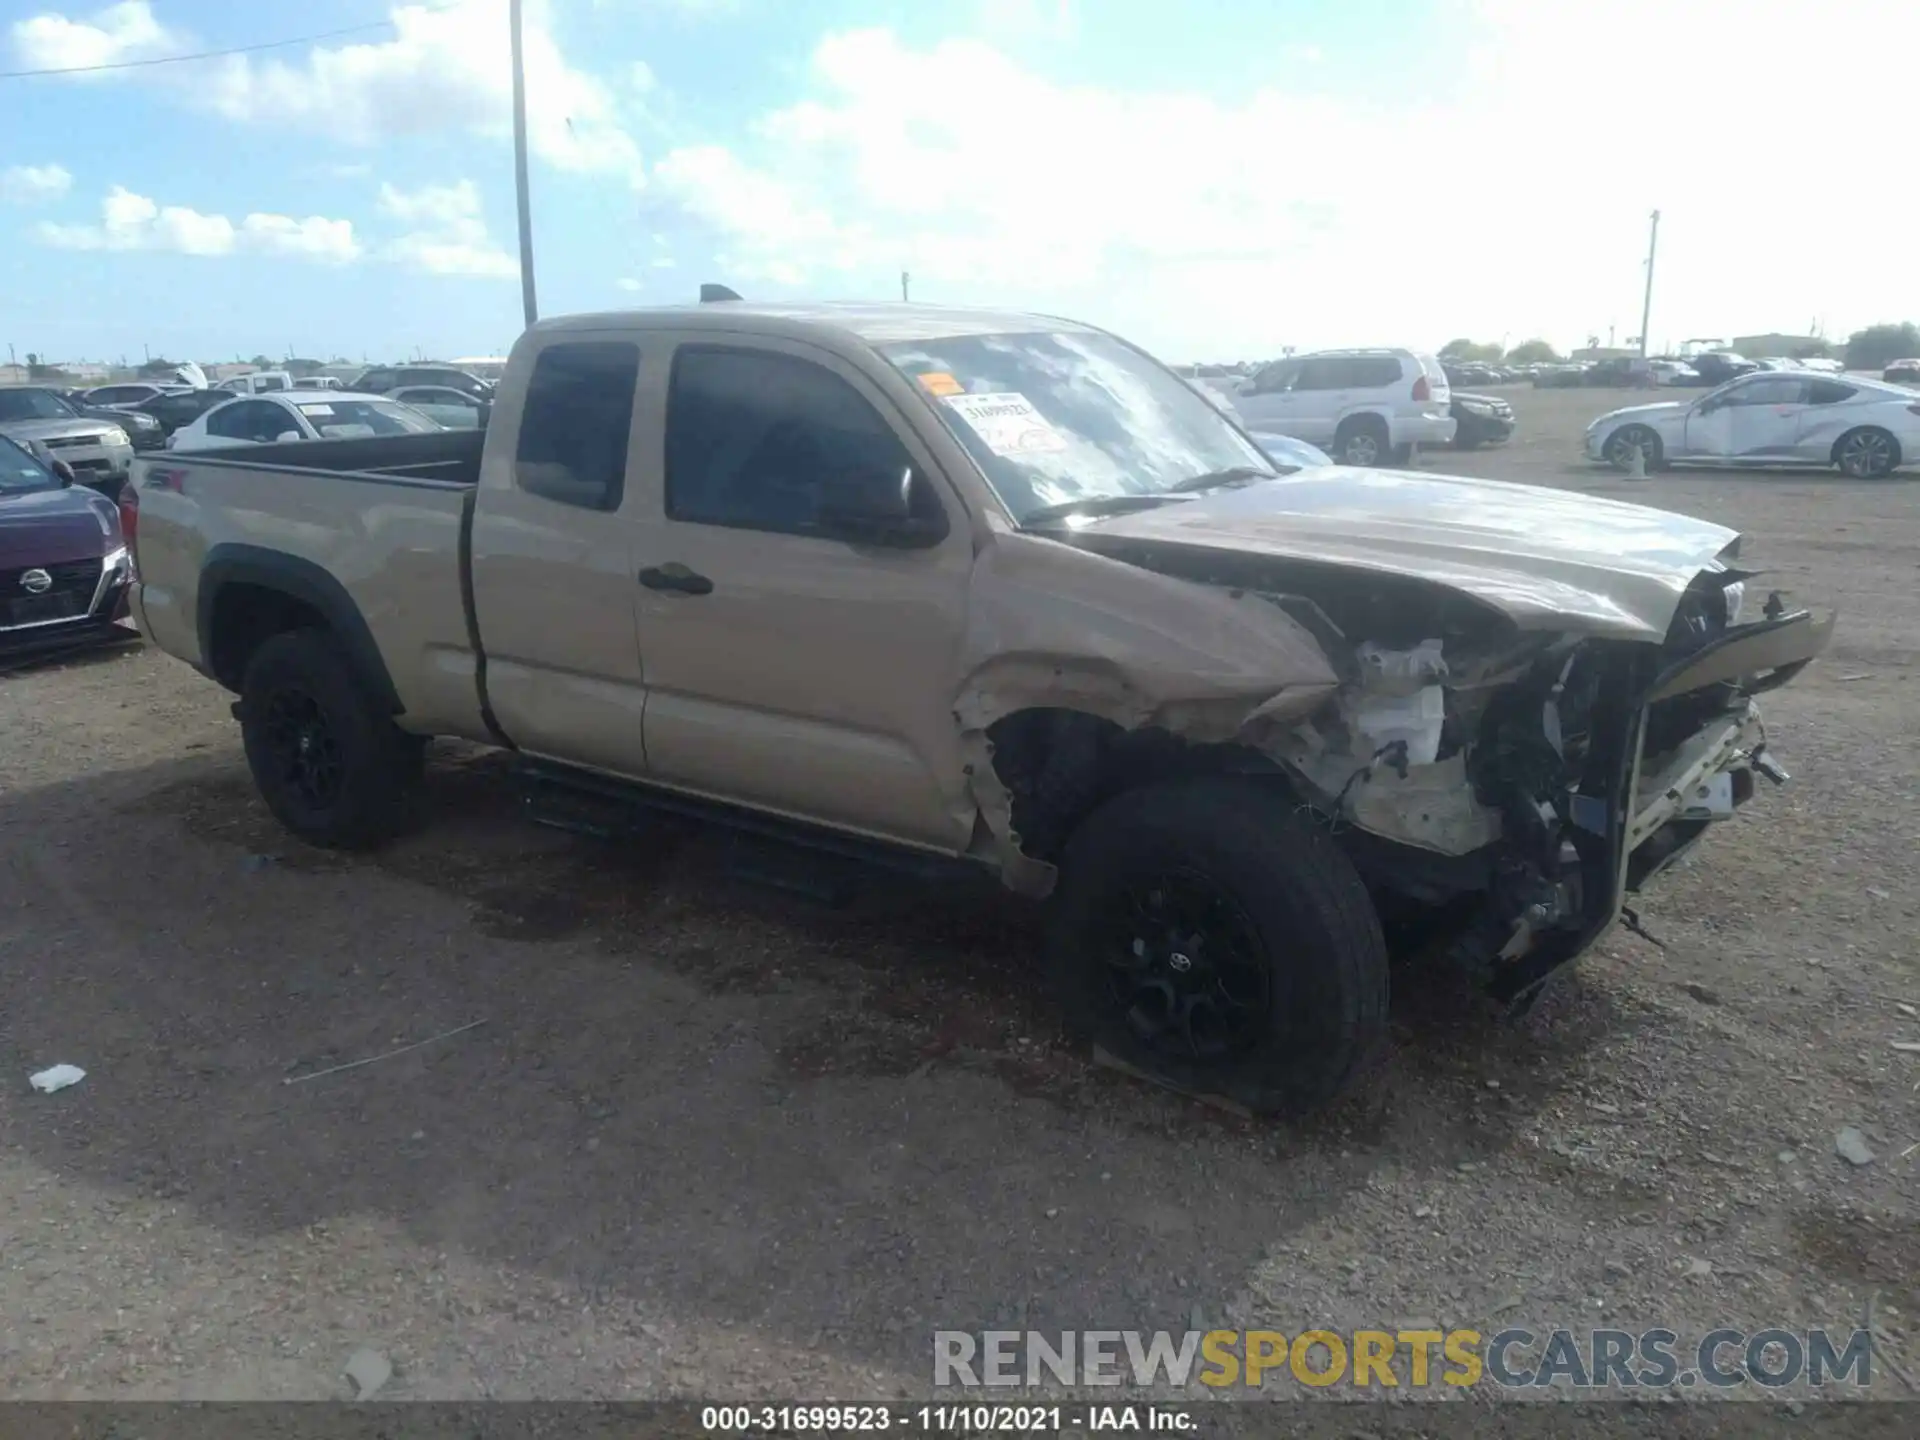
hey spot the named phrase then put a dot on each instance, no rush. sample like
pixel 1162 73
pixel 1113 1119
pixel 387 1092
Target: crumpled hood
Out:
pixel 24 430
pixel 46 527
pixel 1548 559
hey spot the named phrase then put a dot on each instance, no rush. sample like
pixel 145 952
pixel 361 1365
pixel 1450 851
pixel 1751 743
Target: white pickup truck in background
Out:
pixel 944 585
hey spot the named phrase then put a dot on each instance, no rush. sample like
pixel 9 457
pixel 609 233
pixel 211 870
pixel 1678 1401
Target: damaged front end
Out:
pixel 1510 789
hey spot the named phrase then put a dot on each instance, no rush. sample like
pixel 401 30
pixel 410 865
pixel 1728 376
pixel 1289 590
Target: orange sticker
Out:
pixel 939 382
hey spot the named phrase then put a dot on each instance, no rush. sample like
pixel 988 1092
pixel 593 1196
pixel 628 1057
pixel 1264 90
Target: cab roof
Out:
pixel 872 323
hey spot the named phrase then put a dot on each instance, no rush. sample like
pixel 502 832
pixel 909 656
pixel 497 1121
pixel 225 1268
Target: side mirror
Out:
pixel 875 507
pixel 64 472
pixel 285 435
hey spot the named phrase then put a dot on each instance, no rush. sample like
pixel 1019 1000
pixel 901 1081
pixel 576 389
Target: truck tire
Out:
pixel 331 765
pixel 1206 933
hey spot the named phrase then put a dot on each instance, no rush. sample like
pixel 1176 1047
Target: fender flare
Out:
pixel 232 563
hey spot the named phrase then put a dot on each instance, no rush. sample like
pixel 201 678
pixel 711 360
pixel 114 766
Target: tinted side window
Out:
pixel 1373 372
pixel 1828 392
pixel 375 380
pixel 754 438
pixel 1326 373
pixel 1276 377
pixel 1785 390
pixel 573 433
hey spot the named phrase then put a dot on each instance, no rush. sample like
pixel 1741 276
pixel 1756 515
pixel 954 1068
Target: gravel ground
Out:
pixel 713 1139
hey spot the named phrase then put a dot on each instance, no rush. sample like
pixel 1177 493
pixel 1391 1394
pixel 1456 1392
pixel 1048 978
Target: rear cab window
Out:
pixel 577 422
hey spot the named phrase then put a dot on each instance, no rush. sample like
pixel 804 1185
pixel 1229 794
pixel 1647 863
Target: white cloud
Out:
pixel 1509 194
pixel 451 238
pixel 134 222
pixel 113 36
pixel 34 184
pixel 628 283
pixel 443 68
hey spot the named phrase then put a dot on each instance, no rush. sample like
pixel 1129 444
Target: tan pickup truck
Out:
pixel 1000 588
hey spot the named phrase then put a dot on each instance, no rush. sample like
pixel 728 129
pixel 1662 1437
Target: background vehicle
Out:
pixel 454 409
pixel 142 430
pixel 1823 365
pixel 257 382
pixel 1902 372
pixel 1618 370
pixel 299 415
pixel 1716 367
pixel 170 412
pixel 1866 428
pixel 64 570
pixel 1480 420
pixel 98 450
pixel 384 378
pixel 1560 377
pixel 131 392
pixel 936 586
pixel 1673 372
pixel 1365 407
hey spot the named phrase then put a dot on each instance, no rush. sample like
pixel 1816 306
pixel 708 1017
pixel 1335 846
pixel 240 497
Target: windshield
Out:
pixel 34 405
pixel 20 472
pixel 1054 419
pixel 337 419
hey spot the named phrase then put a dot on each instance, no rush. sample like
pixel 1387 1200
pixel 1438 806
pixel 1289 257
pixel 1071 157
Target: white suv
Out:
pixel 1365 407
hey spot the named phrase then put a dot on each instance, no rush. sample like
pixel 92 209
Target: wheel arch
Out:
pixel 1059 764
pixel 249 593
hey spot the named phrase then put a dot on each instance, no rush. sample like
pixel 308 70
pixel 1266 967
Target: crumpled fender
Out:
pixel 1056 626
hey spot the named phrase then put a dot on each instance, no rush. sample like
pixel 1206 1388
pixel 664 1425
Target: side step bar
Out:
pixel 587 803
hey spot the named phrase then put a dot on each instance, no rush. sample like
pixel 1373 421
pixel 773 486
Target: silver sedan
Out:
pixel 1771 418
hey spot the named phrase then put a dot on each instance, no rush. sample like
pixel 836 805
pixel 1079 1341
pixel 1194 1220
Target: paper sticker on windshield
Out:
pixel 316 409
pixel 939 382
pixel 1008 423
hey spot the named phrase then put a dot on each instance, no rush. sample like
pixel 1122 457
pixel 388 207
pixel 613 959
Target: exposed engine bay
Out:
pixel 1507 787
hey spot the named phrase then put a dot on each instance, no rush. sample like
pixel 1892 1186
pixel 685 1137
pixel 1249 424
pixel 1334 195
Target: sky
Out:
pixel 1216 179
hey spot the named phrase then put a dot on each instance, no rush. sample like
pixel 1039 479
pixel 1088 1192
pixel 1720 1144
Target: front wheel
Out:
pixel 330 763
pixel 1866 453
pixel 1630 441
pixel 1206 933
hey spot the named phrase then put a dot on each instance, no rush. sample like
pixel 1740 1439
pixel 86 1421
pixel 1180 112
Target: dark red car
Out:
pixel 65 564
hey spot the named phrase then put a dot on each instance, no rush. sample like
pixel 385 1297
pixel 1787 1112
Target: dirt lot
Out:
pixel 714 1139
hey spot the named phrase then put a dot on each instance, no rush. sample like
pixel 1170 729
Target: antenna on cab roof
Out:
pixel 710 293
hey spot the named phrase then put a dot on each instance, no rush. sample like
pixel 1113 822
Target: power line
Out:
pixel 213 54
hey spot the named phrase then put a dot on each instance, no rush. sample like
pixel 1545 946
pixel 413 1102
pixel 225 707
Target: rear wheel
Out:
pixel 1205 933
pixel 1629 440
pixel 1867 453
pixel 1361 441
pixel 330 763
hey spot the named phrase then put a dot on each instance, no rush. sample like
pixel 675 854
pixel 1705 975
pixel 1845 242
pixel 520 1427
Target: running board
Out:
pixel 769 849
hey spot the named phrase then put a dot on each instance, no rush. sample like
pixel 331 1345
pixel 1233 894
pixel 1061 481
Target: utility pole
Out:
pixel 903 286
pixel 1646 308
pixel 527 300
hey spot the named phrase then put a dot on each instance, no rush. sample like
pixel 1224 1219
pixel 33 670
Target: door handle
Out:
pixel 676 578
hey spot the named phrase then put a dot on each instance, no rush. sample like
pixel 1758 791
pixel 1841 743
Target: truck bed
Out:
pixel 370 533
pixel 451 456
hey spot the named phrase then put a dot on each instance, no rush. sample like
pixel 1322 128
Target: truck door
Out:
pixel 789 667
pixel 553 538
